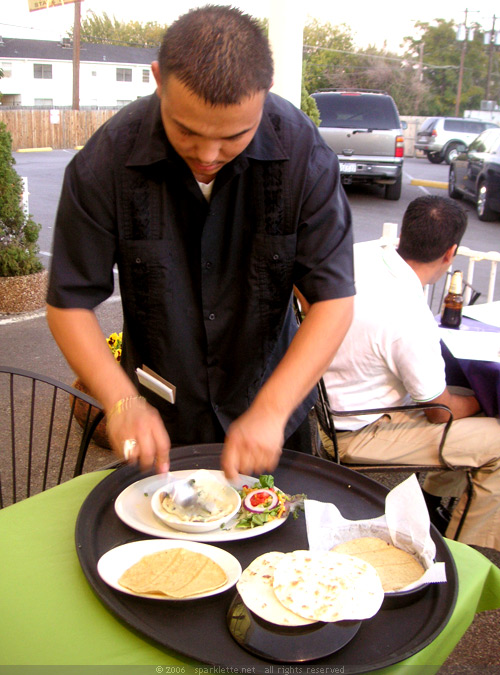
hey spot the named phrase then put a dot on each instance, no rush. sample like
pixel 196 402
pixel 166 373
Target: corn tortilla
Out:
pixel 396 568
pixel 175 573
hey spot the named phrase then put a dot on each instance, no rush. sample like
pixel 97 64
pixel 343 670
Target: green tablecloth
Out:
pixel 50 616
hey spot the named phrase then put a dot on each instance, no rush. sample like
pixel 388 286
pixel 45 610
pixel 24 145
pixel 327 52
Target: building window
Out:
pixel 44 102
pixel 42 71
pixel 122 103
pixel 6 66
pixel 145 75
pixel 124 74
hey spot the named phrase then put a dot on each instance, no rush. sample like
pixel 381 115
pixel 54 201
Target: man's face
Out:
pixel 206 137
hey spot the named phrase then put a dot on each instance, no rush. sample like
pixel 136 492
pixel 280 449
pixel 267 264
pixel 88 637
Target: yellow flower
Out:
pixel 115 344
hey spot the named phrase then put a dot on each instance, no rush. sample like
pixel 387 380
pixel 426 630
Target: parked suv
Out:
pixel 364 130
pixel 444 137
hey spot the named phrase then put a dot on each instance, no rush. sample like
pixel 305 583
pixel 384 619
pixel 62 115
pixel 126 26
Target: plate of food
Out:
pixel 168 570
pixel 302 605
pixel 264 507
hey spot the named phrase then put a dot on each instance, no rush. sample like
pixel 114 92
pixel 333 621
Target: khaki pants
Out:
pixel 409 438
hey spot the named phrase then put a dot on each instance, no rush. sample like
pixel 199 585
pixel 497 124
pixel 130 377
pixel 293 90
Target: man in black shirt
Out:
pixel 213 197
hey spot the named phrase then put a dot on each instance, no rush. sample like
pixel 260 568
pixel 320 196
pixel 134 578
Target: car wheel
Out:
pixel 452 185
pixel 393 192
pixel 484 212
pixel 452 152
pixel 434 157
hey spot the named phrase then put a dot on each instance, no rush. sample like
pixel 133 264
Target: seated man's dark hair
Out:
pixel 219 53
pixel 431 225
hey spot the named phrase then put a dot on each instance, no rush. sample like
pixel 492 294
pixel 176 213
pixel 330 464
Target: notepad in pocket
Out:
pixel 148 378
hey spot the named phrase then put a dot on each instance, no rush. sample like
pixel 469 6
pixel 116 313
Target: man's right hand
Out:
pixel 136 420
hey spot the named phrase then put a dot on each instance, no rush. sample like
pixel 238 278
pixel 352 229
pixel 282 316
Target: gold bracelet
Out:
pixel 124 404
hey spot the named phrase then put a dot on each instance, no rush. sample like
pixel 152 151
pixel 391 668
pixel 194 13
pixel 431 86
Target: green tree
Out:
pixel 18 232
pixel 332 61
pixel 326 52
pixel 106 30
pixel 439 53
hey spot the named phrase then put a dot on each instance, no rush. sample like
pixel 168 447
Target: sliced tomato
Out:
pixel 261 500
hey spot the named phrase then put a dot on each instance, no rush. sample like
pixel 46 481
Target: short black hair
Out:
pixel 221 54
pixel 431 225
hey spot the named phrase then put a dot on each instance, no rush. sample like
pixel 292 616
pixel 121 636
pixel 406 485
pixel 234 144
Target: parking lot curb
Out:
pixel 34 150
pixel 429 183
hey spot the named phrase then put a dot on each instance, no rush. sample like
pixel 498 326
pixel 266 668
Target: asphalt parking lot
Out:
pixel 25 340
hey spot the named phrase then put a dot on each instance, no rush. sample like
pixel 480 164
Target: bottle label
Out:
pixel 456 283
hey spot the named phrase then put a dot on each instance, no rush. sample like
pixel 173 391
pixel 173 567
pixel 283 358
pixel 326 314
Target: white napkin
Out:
pixel 405 525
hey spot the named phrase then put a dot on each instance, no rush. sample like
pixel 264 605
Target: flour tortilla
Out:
pixel 327 586
pixel 396 568
pixel 255 587
pixel 175 573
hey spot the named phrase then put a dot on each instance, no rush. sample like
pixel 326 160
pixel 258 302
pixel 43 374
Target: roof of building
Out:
pixel 46 50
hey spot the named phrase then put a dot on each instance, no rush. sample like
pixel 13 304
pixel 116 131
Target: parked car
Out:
pixel 475 174
pixel 442 138
pixel 364 130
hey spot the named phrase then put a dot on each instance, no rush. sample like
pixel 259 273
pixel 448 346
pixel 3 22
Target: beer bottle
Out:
pixel 451 315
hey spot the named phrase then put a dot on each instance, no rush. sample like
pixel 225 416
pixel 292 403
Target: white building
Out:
pixel 40 73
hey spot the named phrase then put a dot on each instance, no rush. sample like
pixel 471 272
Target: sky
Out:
pixel 364 17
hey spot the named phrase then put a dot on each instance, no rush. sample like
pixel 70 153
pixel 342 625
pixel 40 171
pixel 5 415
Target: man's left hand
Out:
pixel 253 445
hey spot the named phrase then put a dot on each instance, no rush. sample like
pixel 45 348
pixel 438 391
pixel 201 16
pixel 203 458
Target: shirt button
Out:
pixel 208 264
pixel 211 316
pixel 276 256
pixel 138 260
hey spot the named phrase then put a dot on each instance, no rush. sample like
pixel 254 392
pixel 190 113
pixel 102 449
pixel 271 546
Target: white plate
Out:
pixel 114 563
pixel 133 507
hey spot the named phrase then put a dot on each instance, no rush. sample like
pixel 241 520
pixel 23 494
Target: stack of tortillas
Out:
pixel 174 573
pixel 396 568
pixel 298 588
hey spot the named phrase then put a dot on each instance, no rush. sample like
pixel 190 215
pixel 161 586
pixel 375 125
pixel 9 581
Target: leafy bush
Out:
pixel 308 105
pixel 18 232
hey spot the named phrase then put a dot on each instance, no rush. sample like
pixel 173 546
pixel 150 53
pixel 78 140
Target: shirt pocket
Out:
pixel 146 276
pixel 273 263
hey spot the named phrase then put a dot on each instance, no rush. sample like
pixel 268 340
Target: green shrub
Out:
pixel 308 105
pixel 18 232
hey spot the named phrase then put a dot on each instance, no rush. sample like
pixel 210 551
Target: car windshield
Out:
pixel 349 111
pixel 428 125
pixel 486 142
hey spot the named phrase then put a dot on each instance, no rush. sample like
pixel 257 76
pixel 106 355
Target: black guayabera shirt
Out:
pixel 206 286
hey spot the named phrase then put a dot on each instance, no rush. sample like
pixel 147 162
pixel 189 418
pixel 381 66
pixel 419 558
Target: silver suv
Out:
pixel 364 130
pixel 444 137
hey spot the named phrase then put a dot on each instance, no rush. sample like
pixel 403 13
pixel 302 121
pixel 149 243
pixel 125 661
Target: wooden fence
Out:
pixel 52 129
pixel 62 129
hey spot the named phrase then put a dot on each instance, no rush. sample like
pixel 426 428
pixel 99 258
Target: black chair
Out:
pixel 46 427
pixel 325 417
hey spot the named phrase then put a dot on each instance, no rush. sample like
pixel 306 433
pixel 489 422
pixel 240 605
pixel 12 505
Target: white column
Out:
pixel 286 28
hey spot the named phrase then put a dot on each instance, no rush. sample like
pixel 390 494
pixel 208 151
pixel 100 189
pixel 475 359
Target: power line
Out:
pixel 386 58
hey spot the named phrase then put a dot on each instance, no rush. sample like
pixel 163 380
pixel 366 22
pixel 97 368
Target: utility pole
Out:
pixel 492 41
pixel 76 57
pixel 462 62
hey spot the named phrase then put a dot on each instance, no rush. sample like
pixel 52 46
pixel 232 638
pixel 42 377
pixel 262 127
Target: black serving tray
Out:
pixel 197 629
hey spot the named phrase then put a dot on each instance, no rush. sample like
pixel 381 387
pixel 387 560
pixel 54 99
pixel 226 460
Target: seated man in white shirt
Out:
pixel 391 356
